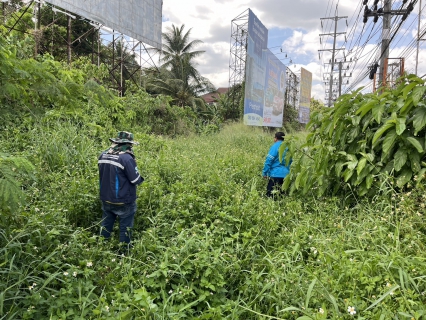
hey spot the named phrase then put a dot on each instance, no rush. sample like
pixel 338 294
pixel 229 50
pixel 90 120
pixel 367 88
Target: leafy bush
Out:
pixel 363 139
pixel 207 243
pixel 14 171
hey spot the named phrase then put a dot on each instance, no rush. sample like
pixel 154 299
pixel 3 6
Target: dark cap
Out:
pixel 280 135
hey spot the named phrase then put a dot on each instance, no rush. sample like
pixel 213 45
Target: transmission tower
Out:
pixel 386 12
pixel 342 70
pixel 333 61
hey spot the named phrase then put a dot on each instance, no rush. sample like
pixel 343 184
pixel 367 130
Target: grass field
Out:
pixel 207 243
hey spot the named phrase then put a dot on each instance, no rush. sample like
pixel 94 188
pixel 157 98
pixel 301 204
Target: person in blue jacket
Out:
pixel 274 170
pixel 118 178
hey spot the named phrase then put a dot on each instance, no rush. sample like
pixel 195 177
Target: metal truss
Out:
pixel 292 90
pixel 125 58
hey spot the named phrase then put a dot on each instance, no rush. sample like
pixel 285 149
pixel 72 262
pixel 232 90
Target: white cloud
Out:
pixel 300 25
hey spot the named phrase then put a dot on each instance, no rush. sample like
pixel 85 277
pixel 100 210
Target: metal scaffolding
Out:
pixel 125 57
pixel 238 52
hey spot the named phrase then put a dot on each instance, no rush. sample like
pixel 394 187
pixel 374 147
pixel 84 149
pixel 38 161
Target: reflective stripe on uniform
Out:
pixel 113 163
pixel 135 179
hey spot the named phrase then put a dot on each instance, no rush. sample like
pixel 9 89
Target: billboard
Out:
pixel 265 79
pixel 305 95
pixel 139 19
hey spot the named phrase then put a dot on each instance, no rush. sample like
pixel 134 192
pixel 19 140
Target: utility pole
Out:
pixel 418 34
pixel 4 11
pixel 387 14
pixel 69 39
pixel 340 78
pixel 385 40
pixel 333 51
pixel 37 27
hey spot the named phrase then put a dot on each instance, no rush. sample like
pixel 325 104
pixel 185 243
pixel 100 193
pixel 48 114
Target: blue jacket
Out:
pixel 273 167
pixel 118 177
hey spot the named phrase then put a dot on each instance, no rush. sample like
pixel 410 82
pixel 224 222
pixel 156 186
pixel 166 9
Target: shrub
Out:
pixel 363 139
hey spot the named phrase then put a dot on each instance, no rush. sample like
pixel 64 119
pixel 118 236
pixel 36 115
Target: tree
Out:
pixel 178 76
pixel 316 105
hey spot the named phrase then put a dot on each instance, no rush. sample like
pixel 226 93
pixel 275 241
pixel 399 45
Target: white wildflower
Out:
pixel 351 311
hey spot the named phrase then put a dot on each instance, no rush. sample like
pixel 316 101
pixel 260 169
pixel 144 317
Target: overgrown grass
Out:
pixel 208 244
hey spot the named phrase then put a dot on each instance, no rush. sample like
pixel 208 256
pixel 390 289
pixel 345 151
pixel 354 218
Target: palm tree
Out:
pixel 178 76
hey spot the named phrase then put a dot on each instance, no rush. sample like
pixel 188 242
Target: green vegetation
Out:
pixel 207 243
pixel 178 77
pixel 364 142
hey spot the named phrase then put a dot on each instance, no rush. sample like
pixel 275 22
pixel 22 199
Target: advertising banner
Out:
pixel 275 84
pixel 265 79
pixel 305 95
pixel 139 19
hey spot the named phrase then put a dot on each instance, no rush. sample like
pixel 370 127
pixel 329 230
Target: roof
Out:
pixel 212 96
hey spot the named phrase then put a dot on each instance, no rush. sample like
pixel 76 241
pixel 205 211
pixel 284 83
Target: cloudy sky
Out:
pixel 294 26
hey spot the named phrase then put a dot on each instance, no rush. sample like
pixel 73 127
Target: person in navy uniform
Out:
pixel 118 178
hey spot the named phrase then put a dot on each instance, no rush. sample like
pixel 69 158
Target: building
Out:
pixel 211 98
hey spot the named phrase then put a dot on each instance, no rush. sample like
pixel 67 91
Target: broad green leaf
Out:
pixel 400 103
pixel 361 176
pixel 338 168
pixel 347 174
pixel 377 112
pixel 408 88
pixel 297 181
pixel 361 165
pixel 416 144
pixel 355 120
pixel 418 93
pixel 351 164
pixel 419 121
pixel 400 158
pixel 400 125
pixel 367 120
pixel 414 78
pixel 389 124
pixel 383 95
pixel 286 183
pixel 369 181
pixel 351 157
pixel 404 177
pixel 362 189
pixel 366 107
pixel 415 161
pixel 420 175
pixel 389 141
pixel 353 134
pixel 369 156
pixel 407 107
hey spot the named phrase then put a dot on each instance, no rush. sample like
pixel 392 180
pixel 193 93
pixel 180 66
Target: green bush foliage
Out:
pixel 207 243
pixel 14 172
pixel 365 138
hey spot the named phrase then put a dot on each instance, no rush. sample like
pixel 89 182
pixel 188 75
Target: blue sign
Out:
pixel 265 79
